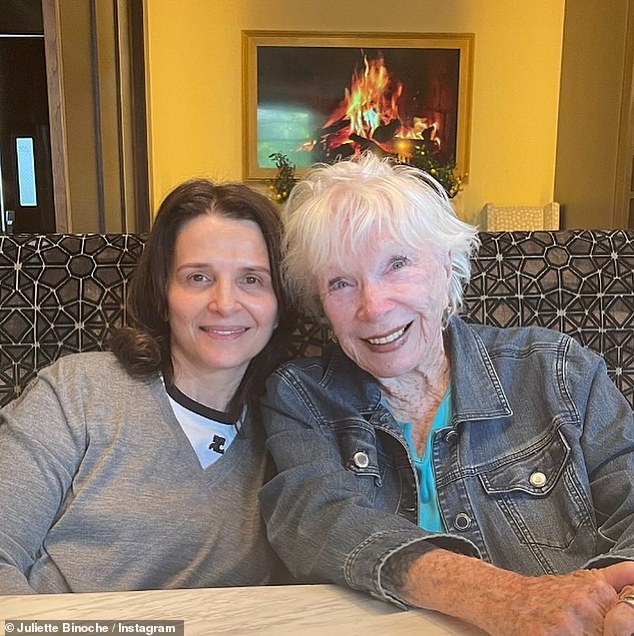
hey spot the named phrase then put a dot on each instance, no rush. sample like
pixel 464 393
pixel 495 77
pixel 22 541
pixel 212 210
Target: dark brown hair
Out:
pixel 143 347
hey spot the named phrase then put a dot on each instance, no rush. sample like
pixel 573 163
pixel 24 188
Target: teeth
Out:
pixel 225 332
pixel 387 339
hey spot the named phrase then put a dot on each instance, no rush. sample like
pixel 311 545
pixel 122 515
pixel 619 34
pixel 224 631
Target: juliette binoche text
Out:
pixel 149 628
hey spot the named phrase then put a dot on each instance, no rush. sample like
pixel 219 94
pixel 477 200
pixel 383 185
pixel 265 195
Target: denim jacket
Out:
pixel 535 474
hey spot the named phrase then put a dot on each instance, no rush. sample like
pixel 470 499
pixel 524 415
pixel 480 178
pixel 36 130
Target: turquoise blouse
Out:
pixel 429 514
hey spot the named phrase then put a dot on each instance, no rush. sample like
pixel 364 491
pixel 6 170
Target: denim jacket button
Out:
pixel 451 436
pixel 537 479
pixel 360 459
pixel 462 521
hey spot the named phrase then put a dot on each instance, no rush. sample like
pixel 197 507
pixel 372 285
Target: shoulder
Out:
pixel 526 340
pixel 331 367
pixel 527 350
pixel 99 363
pixel 330 379
pixel 89 391
pixel 90 373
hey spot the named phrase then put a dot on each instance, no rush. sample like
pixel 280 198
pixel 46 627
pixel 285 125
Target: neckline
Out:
pixel 196 407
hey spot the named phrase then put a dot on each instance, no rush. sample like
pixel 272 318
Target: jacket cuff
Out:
pixel 604 560
pixel 365 567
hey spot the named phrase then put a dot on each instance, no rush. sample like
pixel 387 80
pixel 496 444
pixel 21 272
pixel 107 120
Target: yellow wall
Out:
pixel 195 96
pixel 594 112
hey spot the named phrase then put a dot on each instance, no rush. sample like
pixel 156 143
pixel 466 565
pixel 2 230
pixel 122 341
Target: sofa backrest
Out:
pixel 65 293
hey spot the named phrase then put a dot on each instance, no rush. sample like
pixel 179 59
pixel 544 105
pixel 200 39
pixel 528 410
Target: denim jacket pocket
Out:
pixel 539 494
pixel 357 445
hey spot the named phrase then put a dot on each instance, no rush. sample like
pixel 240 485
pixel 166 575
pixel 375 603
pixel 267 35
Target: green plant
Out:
pixel 422 158
pixel 281 186
pixel 445 174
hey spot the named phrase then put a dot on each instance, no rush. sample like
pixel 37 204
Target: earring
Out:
pixel 446 316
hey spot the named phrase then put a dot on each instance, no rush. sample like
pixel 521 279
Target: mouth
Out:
pixel 389 338
pixel 225 331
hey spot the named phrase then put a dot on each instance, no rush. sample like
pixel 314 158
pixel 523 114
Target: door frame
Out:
pixel 624 183
pixel 57 120
pixel 122 199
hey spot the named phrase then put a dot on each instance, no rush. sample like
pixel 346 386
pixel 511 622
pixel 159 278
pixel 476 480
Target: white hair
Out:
pixel 342 206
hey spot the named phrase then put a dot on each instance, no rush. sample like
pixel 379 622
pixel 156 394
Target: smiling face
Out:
pixel 222 308
pixel 385 304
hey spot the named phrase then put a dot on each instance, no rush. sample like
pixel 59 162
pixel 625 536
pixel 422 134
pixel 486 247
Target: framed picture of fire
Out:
pixel 321 96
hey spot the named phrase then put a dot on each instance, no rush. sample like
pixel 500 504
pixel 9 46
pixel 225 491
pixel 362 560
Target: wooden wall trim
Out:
pixel 57 119
pixel 624 193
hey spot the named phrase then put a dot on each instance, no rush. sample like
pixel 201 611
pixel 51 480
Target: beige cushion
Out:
pixel 508 219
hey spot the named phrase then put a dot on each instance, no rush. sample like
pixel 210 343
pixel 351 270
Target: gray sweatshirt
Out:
pixel 101 490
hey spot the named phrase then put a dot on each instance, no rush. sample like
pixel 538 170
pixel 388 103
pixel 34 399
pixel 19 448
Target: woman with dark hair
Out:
pixel 139 468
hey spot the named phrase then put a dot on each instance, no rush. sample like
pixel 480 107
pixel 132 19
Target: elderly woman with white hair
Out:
pixel 482 472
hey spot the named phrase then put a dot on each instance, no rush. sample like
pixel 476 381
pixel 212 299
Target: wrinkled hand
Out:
pixel 583 602
pixel 502 603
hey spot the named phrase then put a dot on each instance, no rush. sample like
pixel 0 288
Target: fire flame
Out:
pixel 370 111
pixel 368 103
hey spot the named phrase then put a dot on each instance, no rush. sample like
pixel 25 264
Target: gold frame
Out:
pixel 251 40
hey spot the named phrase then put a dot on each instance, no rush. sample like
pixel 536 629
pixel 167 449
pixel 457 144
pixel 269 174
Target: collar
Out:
pixel 477 390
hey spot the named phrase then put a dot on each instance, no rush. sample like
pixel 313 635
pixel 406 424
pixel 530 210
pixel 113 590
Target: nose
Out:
pixel 223 297
pixel 373 302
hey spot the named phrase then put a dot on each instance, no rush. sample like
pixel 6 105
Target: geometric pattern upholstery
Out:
pixel 59 294
pixel 578 282
pixel 64 293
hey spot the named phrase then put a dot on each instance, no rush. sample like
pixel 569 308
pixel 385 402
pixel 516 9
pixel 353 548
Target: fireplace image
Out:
pixel 316 98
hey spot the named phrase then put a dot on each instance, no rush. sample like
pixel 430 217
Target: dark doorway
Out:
pixel 26 195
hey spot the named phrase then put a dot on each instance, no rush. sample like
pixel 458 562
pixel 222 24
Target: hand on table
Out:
pixel 585 602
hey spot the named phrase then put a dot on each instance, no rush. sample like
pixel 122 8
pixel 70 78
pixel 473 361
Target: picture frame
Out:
pixel 315 96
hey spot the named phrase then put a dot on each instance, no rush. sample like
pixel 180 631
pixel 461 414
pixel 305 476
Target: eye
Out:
pixel 197 277
pixel 251 279
pixel 337 283
pixel 398 262
pixel 255 280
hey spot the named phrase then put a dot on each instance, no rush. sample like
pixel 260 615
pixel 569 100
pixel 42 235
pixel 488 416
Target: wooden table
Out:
pixel 306 610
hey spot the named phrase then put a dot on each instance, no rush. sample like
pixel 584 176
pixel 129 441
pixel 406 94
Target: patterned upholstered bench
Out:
pixel 64 293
